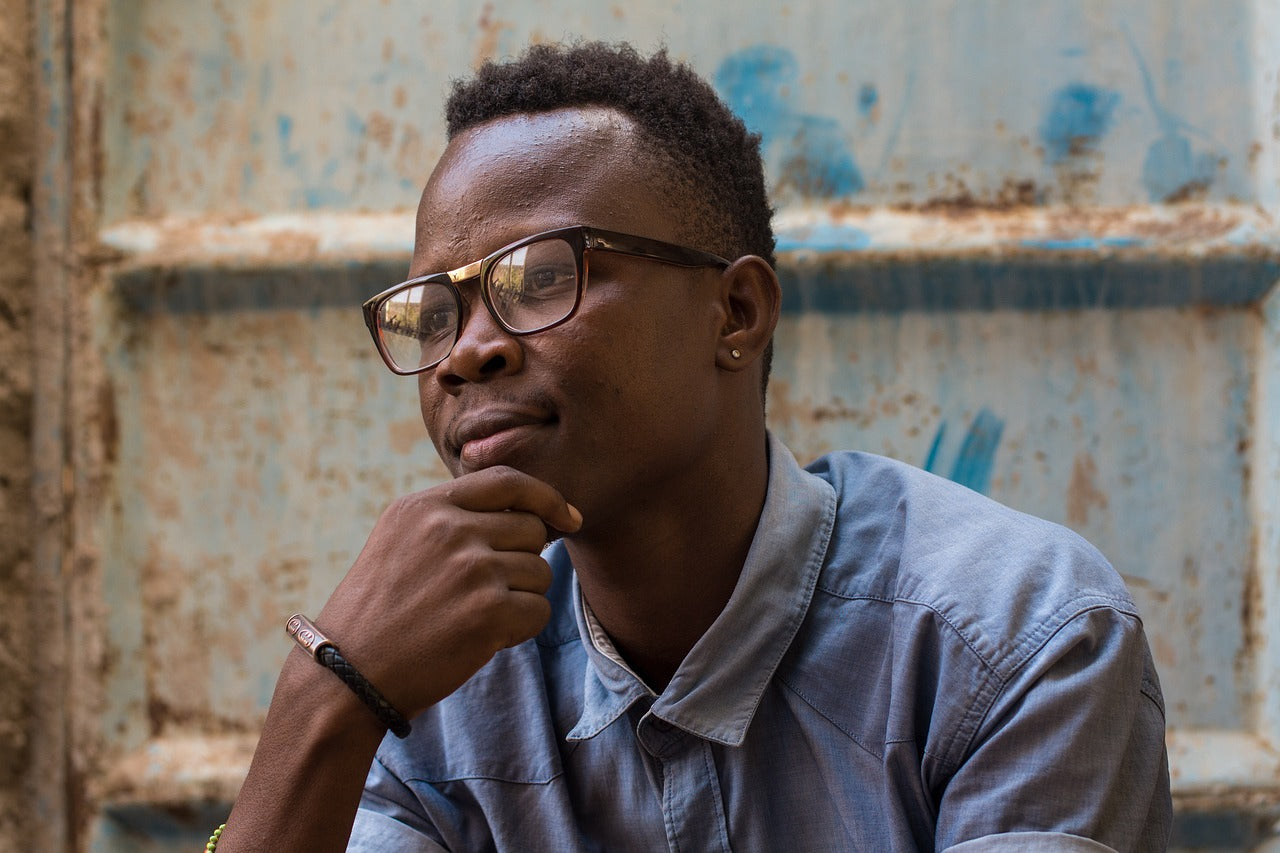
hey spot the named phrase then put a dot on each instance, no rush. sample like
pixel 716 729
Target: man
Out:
pixel 722 651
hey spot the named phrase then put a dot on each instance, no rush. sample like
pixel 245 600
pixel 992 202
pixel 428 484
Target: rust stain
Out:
pixel 490 31
pixel 108 421
pixel 956 198
pixel 1252 618
pixel 1083 492
pixel 380 129
pixel 1086 364
pixel 1165 653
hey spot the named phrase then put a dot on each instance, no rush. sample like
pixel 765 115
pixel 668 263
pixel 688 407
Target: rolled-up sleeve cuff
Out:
pixel 1030 842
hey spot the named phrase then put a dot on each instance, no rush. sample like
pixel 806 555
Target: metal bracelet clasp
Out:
pixel 306 634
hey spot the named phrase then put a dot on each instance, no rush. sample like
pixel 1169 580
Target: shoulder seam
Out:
pixel 1101 603
pixel 986 693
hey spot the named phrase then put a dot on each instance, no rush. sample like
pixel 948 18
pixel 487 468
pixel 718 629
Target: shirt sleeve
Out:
pixel 1071 752
pixel 387 819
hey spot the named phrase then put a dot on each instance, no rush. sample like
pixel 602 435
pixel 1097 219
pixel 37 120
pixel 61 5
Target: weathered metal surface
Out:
pixel 254 106
pixel 1109 443
pixel 984 277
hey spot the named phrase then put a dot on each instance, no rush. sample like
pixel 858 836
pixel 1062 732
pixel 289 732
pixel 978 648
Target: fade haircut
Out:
pixel 704 158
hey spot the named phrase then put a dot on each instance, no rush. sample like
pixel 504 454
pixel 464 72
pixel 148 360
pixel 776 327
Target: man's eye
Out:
pixel 548 280
pixel 435 322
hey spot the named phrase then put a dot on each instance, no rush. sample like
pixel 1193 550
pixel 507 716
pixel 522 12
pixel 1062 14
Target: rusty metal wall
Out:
pixel 1029 246
pixel 16 168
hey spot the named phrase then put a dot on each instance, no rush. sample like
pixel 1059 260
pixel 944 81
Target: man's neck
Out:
pixel 658 577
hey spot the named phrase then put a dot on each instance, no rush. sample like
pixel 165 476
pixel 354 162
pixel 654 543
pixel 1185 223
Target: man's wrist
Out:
pixel 321 704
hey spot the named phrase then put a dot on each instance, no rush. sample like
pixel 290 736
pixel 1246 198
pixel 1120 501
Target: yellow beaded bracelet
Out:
pixel 213 839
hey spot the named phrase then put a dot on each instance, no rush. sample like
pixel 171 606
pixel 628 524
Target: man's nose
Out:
pixel 484 350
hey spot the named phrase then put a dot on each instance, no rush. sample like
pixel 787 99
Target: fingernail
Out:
pixel 575 515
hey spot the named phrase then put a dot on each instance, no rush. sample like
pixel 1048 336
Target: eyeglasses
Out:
pixel 528 286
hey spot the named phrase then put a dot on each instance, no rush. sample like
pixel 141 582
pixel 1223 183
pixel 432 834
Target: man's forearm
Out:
pixel 304 785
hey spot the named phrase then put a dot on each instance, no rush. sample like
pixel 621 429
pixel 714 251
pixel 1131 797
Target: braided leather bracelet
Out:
pixel 305 634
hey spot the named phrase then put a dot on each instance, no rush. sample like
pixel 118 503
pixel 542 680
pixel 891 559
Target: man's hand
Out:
pixel 448 577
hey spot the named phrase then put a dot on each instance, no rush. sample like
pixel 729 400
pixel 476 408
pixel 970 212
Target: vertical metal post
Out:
pixel 50 783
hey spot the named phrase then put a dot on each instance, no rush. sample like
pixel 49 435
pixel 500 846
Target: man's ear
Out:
pixel 750 299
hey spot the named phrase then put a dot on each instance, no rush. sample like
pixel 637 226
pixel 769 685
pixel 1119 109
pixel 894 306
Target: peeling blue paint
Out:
pixel 1077 117
pixel 810 151
pixel 931 459
pixel 289 158
pixel 1077 243
pixel 322 196
pixel 1171 168
pixel 868 97
pixel 356 126
pixel 977 454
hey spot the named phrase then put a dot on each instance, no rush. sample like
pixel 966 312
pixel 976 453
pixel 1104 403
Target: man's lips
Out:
pixel 480 438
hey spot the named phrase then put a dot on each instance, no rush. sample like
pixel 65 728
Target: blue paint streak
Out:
pixel 1077 117
pixel 1078 243
pixel 977 456
pixel 931 460
pixel 978 452
pixel 758 84
pixel 289 158
pixel 868 97
pixel 1171 168
pixel 825 237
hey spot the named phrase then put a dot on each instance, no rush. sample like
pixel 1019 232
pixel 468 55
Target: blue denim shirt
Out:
pixel 903 665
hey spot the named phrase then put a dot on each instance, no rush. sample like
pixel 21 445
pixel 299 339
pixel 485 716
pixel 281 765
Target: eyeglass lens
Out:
pixel 530 288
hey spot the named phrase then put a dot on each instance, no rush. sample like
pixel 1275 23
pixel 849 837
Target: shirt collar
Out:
pixel 717 688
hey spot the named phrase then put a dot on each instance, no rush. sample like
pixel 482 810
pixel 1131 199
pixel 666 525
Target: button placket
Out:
pixel 692 807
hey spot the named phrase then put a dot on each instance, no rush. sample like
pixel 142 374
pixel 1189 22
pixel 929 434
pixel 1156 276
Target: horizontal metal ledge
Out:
pixel 1222 768
pixel 269 242
pixel 179 770
pixel 830 260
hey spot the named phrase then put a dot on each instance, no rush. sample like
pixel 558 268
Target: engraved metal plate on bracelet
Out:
pixel 305 634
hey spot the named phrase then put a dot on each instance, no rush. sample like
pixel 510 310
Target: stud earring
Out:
pixel 736 353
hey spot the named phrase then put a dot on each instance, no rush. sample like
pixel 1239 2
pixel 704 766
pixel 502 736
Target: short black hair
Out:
pixel 711 163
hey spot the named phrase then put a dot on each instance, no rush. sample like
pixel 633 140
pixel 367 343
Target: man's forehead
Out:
pixel 554 145
pixel 518 174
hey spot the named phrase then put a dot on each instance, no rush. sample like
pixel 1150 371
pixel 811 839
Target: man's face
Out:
pixel 617 406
